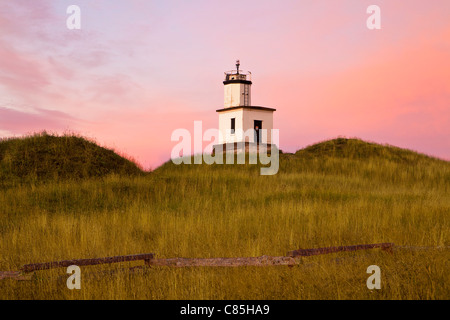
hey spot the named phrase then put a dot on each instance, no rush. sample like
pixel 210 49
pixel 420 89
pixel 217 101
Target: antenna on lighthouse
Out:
pixel 237 66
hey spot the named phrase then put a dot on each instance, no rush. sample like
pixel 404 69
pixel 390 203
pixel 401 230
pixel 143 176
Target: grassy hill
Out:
pixel 338 192
pixel 42 157
pixel 359 149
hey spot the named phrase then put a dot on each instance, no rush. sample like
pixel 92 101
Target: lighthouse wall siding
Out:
pixel 244 121
pixel 234 94
pixel 225 124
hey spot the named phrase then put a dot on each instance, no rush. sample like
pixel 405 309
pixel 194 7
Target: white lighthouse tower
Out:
pixel 240 123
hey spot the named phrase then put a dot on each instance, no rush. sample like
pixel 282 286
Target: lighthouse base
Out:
pixel 243 147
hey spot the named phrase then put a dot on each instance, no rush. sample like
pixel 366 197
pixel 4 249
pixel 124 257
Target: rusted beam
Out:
pixel 224 262
pixel 199 262
pixel 317 251
pixel 16 275
pixel 85 262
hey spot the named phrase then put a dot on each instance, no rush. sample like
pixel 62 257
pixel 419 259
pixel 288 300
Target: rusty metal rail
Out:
pixel 86 262
pixel 262 261
pixel 291 259
pixel 317 251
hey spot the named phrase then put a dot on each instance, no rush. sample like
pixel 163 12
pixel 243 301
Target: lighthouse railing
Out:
pixel 247 74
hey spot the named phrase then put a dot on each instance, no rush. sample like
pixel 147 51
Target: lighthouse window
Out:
pixel 233 125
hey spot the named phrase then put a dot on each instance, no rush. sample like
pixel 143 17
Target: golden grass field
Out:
pixel 341 192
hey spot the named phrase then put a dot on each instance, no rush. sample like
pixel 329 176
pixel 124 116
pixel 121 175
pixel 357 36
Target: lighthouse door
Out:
pixel 257 126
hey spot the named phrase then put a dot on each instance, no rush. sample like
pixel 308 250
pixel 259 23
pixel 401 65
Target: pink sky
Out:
pixel 137 70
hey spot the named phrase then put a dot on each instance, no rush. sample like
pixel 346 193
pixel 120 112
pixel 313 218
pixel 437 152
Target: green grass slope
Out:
pixel 359 149
pixel 339 192
pixel 42 157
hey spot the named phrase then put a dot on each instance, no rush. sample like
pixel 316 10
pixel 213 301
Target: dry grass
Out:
pixel 231 211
